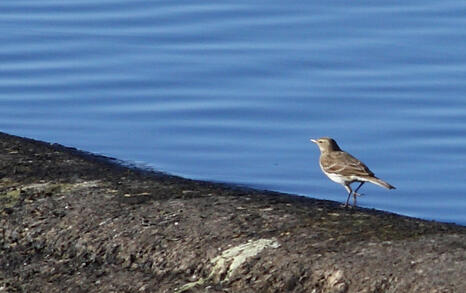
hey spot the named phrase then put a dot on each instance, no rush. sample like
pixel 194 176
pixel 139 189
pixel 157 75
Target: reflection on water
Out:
pixel 232 91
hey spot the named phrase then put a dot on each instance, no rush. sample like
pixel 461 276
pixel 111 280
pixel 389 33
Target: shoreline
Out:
pixel 150 171
pixel 72 220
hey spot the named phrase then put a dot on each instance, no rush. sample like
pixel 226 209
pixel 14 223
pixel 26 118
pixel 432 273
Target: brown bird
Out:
pixel 345 169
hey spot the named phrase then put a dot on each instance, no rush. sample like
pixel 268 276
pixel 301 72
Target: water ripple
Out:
pixel 231 91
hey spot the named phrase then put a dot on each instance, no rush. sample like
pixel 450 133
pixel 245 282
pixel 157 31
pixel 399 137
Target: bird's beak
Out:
pixel 313 140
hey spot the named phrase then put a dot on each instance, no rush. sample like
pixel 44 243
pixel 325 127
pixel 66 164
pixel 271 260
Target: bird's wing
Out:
pixel 344 164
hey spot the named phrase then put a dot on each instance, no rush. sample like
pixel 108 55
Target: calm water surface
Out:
pixel 231 91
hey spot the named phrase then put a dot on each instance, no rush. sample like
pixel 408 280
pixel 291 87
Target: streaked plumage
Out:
pixel 343 168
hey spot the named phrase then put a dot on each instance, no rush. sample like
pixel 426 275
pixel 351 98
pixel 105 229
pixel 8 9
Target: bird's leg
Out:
pixel 355 193
pixel 348 188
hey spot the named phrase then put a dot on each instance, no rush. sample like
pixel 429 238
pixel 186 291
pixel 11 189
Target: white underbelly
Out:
pixel 338 179
pixel 335 178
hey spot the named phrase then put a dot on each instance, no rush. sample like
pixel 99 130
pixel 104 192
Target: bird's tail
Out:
pixel 380 182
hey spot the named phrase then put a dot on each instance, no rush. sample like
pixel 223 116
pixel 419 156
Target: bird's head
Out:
pixel 326 144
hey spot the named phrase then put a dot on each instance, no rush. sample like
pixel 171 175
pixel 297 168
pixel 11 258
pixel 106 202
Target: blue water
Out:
pixel 232 91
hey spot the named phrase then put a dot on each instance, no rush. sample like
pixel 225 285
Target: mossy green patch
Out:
pixel 9 199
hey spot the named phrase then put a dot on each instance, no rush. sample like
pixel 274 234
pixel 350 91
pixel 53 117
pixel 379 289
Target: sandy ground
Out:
pixel 75 222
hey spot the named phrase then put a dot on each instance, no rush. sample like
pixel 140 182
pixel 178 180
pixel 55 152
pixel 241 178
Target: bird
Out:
pixel 343 168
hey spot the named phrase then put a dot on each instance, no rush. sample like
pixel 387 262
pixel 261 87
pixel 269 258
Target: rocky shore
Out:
pixel 76 222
